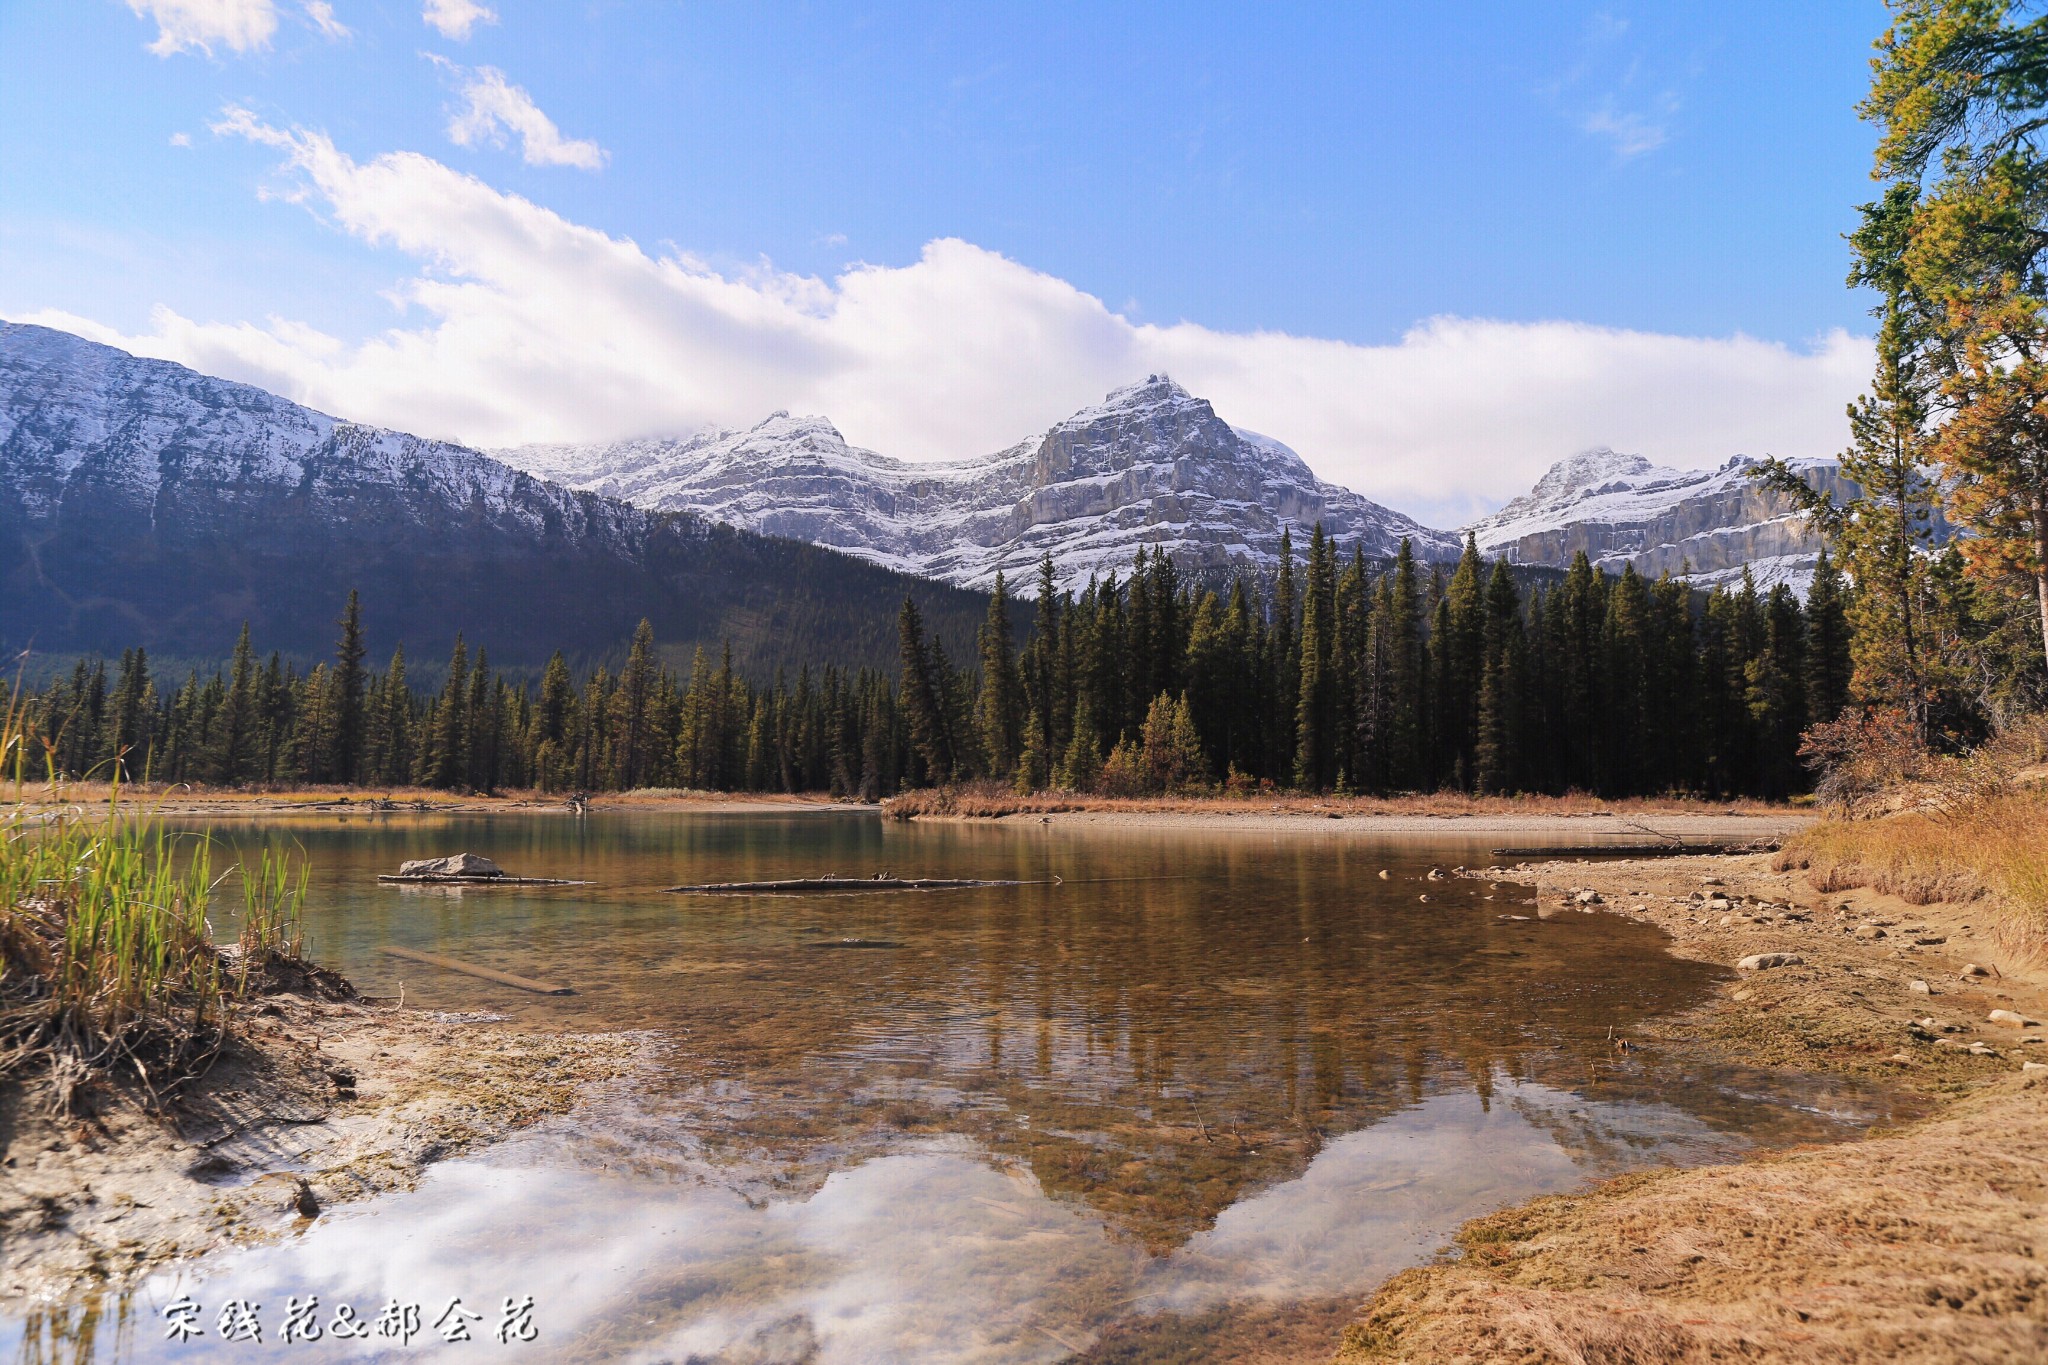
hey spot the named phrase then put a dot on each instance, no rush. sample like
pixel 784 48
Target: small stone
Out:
pixel 303 1202
pixel 1983 1050
pixel 2012 1020
pixel 2034 1066
pixel 1757 962
pixel 1720 905
pixel 1423 897
pixel 1920 988
pixel 1712 881
pixel 1383 874
pixel 1867 932
pixel 1591 898
pixel 1972 969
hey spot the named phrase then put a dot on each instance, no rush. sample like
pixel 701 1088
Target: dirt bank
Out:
pixel 319 1103
pixel 1567 828
pixel 1920 1245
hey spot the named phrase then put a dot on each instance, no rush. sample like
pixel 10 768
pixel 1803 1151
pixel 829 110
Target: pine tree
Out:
pixel 1497 755
pixel 350 721
pixel 924 700
pixel 1828 646
pixel 999 712
pixel 234 739
pixel 445 756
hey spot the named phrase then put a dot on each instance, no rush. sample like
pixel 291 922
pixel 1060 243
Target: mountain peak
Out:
pixel 1589 468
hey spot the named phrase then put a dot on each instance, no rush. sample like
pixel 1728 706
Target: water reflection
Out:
pixel 1204 1070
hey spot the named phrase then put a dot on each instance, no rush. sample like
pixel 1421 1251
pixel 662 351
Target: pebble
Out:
pixel 2034 1066
pixel 1983 1050
pixel 1972 969
pixel 1383 874
pixel 1920 988
pixel 1712 881
pixel 1591 898
pixel 1867 932
pixel 2012 1020
pixel 1757 962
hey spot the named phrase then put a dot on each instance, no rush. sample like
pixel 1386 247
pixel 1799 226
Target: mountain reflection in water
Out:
pixel 1208 1070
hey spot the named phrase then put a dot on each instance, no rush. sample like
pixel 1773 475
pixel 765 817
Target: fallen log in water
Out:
pixel 524 983
pixel 830 883
pixel 1635 850
pixel 480 881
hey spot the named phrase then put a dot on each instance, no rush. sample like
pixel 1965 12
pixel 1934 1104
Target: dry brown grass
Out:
pixel 990 800
pixel 1917 1247
pixel 1995 847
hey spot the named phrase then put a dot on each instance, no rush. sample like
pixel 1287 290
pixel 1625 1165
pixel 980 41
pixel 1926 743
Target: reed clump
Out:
pixel 109 968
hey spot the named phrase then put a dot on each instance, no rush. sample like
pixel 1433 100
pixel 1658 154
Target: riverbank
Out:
pixel 313 1103
pixel 1566 820
pixel 1917 1245
pixel 237 803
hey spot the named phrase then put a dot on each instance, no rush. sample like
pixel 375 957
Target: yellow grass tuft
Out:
pixel 1995 847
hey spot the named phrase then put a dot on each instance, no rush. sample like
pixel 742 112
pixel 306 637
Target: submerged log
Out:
pixel 419 879
pixel 524 983
pixel 1636 850
pixel 878 882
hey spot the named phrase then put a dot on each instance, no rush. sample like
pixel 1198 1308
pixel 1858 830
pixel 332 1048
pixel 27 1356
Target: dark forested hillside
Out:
pixel 144 504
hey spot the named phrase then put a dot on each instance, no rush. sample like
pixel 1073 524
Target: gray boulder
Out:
pixel 460 865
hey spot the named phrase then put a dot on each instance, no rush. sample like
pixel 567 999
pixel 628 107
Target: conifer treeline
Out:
pixel 1342 679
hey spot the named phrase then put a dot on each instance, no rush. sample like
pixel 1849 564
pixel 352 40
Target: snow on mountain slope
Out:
pixel 143 503
pixel 1706 524
pixel 83 422
pixel 1150 465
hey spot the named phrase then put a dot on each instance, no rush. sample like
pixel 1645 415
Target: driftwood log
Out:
pixel 831 883
pixel 524 983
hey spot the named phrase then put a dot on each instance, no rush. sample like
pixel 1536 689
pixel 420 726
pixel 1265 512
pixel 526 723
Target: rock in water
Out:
pixel 460 865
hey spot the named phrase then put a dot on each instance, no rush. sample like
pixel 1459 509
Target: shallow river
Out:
pixel 1123 1115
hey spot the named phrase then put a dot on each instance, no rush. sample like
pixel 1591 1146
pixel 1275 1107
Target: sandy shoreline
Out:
pixel 319 1103
pixel 1919 1245
pixel 1693 826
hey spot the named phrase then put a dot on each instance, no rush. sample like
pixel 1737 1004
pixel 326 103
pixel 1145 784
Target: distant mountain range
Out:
pixel 141 502
pixel 1708 524
pixel 1151 465
pixel 1155 465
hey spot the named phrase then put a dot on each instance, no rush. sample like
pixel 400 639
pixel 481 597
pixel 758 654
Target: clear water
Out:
pixel 1204 1075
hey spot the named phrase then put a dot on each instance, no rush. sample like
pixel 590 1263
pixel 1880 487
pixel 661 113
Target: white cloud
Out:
pixel 457 18
pixel 520 325
pixel 1632 133
pixel 181 139
pixel 493 106
pixel 240 25
pixel 321 15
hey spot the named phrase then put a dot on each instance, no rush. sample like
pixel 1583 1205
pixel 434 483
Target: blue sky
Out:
pixel 1625 219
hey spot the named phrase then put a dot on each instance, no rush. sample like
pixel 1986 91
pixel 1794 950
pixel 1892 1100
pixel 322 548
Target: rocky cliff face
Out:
pixel 142 503
pixel 1621 509
pixel 1151 465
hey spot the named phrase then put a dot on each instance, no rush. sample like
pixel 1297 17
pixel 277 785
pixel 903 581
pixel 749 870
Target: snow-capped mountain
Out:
pixel 1151 465
pixel 143 503
pixel 1706 524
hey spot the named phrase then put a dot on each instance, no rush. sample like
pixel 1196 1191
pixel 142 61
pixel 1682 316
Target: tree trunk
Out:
pixel 2041 569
